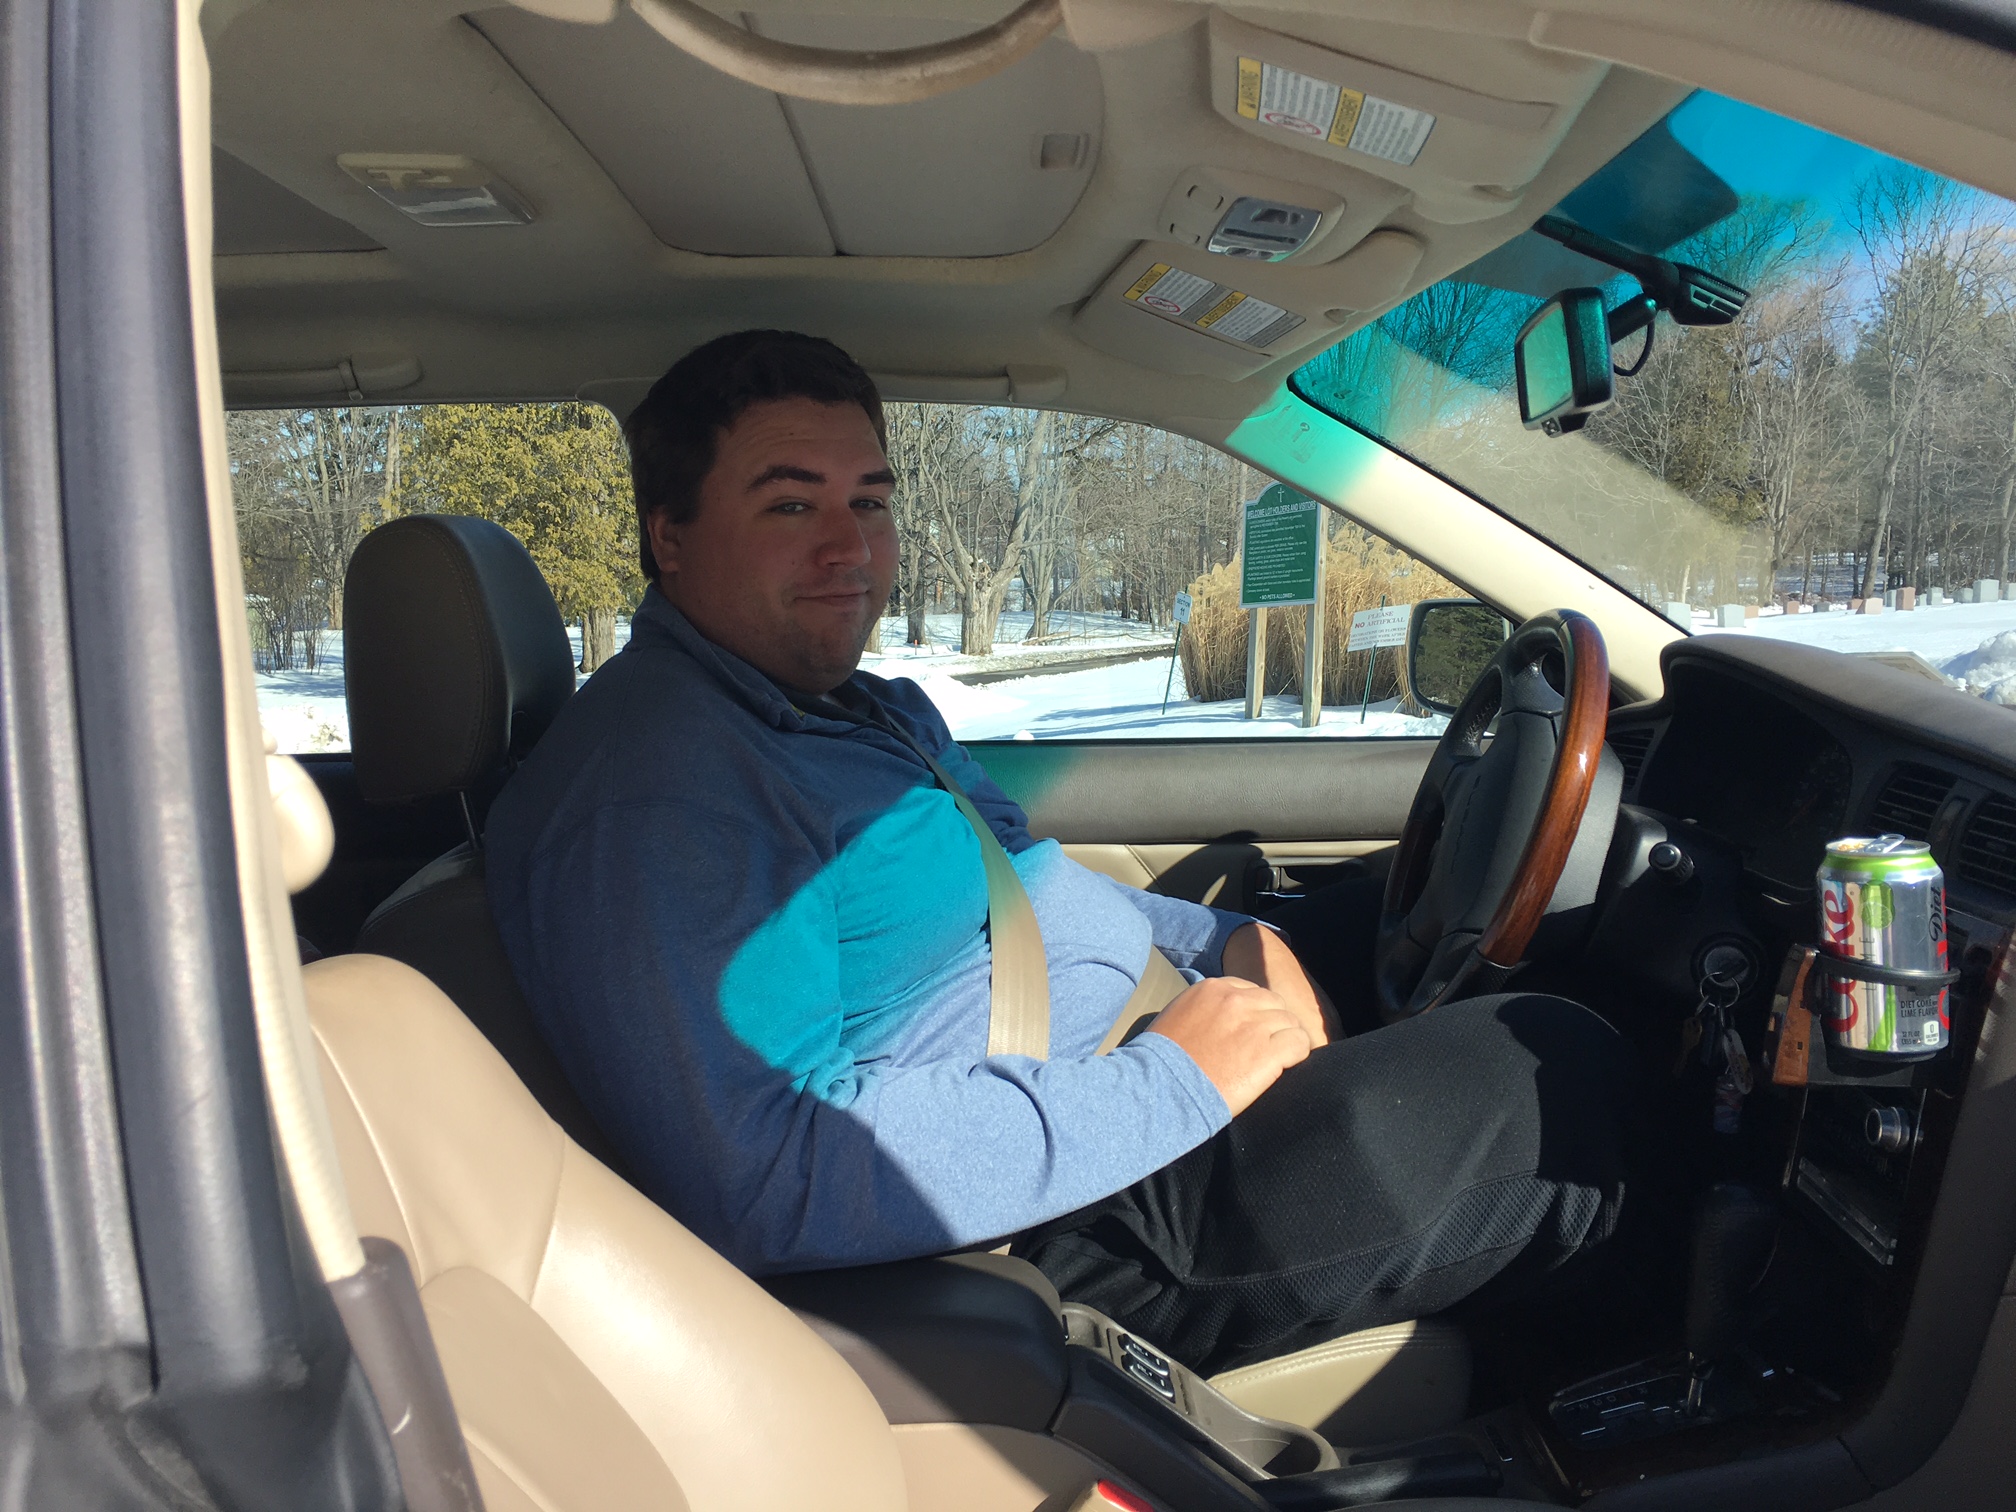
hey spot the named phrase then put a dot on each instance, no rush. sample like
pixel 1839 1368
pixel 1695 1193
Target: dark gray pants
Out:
pixel 1392 1175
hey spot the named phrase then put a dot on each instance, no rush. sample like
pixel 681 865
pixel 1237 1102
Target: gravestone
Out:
pixel 1987 590
pixel 1729 617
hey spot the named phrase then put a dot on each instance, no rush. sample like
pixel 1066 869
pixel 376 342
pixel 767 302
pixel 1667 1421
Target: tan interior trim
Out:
pixel 286 1050
pixel 1370 1387
pixel 851 78
pixel 984 1468
pixel 306 833
pixel 1140 865
pixel 1923 95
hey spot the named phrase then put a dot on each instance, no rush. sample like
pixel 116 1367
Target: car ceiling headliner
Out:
pixel 673 204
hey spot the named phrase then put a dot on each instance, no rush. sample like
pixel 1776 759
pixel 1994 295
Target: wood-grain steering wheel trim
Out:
pixel 1585 719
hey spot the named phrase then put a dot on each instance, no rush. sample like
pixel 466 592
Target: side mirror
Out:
pixel 1449 644
pixel 1562 359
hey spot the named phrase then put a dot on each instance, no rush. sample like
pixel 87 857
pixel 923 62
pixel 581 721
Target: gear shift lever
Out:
pixel 1733 1231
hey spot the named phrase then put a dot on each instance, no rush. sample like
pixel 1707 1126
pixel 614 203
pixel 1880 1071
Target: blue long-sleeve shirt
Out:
pixel 756 942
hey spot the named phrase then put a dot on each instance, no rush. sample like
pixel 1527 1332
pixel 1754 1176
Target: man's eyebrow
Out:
pixel 784 472
pixel 880 475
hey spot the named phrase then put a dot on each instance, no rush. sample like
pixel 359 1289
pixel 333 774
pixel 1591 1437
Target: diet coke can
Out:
pixel 1883 906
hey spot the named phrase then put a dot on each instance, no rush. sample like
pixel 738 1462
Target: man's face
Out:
pixel 790 559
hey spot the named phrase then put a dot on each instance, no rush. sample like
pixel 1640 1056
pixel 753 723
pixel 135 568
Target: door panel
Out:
pixel 1173 792
pixel 1140 865
pixel 1233 874
pixel 1213 820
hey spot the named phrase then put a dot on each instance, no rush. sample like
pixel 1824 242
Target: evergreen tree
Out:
pixel 557 476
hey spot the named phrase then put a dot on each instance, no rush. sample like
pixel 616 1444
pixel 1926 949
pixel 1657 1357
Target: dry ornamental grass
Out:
pixel 1359 570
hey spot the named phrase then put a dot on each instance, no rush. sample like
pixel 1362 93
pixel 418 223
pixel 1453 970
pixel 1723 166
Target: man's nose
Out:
pixel 843 543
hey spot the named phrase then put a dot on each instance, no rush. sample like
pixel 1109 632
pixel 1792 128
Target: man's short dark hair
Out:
pixel 674 432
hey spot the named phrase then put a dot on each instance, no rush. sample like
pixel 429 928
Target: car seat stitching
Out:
pixel 417 1259
pixel 480 1442
pixel 568 1151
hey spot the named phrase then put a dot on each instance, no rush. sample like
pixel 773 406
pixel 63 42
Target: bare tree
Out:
pixel 980 575
pixel 1926 253
pixel 928 453
pixel 1795 402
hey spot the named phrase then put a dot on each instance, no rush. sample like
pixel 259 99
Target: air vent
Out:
pixel 1631 744
pixel 1909 802
pixel 1988 849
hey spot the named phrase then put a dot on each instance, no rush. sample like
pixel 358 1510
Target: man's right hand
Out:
pixel 1241 1036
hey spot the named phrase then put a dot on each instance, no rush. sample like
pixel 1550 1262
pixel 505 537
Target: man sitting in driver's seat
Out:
pixel 754 927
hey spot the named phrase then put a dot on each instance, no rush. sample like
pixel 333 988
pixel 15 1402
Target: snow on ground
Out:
pixel 1975 643
pixel 1068 637
pixel 1107 703
pixel 305 710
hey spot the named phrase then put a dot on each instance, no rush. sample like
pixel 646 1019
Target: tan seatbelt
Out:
pixel 1017 942
pixel 1157 989
pixel 1018 1016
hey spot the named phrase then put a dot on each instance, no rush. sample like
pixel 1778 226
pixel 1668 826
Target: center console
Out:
pixel 985 1339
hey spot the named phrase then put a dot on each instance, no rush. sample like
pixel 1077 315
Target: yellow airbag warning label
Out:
pixel 1312 107
pixel 1206 306
pixel 1170 291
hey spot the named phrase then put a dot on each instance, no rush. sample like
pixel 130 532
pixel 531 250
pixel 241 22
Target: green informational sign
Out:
pixel 1278 548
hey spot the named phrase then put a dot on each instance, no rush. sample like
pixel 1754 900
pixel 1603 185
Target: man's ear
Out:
pixel 664 538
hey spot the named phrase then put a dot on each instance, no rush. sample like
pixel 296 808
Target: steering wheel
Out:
pixel 1492 828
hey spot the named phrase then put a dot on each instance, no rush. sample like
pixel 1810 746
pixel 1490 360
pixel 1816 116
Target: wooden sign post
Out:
pixel 1280 548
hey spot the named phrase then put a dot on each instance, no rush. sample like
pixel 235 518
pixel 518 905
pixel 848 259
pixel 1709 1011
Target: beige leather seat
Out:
pixel 601 1358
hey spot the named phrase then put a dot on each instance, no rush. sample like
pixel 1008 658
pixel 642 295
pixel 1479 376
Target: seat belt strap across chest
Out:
pixel 1018 1013
pixel 1018 1018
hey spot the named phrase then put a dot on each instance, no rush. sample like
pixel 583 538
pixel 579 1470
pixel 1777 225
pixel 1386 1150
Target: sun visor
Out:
pixel 1466 156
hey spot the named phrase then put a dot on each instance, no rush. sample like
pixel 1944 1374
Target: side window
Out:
pixel 308 484
pixel 1042 559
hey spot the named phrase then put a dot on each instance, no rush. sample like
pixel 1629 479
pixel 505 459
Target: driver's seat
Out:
pixel 495 669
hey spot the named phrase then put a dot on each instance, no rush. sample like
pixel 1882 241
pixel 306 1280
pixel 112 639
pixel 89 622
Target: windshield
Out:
pixel 1846 445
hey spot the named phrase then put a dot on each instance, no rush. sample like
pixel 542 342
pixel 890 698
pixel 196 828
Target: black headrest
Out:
pixel 455 658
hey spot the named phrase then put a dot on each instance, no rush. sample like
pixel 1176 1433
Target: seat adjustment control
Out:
pixel 1147 1367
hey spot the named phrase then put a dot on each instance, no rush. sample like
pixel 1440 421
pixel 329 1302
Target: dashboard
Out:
pixel 1774 750
pixel 1753 771
pixel 1757 756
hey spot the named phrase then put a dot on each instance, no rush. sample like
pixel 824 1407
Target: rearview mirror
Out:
pixel 1449 644
pixel 1562 360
